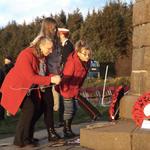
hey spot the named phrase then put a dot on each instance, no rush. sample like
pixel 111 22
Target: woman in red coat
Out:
pixel 16 88
pixel 74 73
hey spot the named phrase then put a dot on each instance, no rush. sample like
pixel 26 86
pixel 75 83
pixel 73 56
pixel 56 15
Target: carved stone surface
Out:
pixel 123 135
pixel 140 139
pixel 141 12
pixel 116 137
pixel 126 105
pixel 138 59
pixel 138 79
pixel 146 60
pixel 141 35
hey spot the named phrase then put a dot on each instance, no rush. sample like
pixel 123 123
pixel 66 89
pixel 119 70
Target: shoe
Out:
pixel 18 145
pixel 60 124
pixel 34 140
pixel 97 117
pixel 52 135
pixel 68 133
pixel 31 144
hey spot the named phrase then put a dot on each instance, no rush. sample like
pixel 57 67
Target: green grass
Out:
pixel 98 82
pixel 8 126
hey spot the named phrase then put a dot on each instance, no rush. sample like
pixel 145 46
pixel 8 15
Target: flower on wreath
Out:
pixel 141 109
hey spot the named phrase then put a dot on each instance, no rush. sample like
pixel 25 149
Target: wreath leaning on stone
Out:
pixel 115 102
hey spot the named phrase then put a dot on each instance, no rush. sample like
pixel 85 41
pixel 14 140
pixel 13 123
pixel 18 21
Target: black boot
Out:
pixel 52 135
pixel 68 133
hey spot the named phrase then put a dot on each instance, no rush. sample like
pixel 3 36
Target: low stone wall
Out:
pixel 123 135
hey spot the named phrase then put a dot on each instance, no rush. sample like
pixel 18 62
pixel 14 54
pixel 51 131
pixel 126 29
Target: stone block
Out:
pixel 116 137
pixel 141 35
pixel 147 82
pixel 146 59
pixel 126 105
pixel 138 81
pixel 141 12
pixel 138 58
pixel 140 139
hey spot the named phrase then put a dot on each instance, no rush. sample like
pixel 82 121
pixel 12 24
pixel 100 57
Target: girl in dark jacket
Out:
pixel 48 29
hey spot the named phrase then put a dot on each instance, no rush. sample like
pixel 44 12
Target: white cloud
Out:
pixel 28 10
pixel 21 10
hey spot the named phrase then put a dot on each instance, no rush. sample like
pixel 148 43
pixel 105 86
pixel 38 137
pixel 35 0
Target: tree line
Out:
pixel 108 31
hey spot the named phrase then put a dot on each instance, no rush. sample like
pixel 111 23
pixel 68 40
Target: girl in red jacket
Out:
pixel 74 73
pixel 16 88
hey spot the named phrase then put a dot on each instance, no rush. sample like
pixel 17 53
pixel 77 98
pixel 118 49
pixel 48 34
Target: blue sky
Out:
pixel 28 10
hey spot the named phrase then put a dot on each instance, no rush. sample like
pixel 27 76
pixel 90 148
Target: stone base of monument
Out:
pixel 126 105
pixel 122 135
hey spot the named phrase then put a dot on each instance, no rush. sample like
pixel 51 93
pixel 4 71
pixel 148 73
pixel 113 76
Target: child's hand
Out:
pixel 55 79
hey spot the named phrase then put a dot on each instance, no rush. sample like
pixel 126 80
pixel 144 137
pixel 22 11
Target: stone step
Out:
pixel 122 135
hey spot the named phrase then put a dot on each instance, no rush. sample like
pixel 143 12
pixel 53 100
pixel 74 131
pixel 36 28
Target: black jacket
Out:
pixel 3 72
pixel 66 50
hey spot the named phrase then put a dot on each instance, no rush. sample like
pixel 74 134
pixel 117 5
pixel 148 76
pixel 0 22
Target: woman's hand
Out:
pixel 55 79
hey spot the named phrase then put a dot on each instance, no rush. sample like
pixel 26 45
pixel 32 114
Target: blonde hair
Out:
pixel 81 44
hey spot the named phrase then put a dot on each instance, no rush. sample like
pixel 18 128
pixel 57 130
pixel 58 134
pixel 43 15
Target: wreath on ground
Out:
pixel 139 112
pixel 115 102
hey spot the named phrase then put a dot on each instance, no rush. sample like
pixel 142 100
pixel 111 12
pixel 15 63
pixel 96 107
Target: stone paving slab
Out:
pixel 6 144
pixel 140 139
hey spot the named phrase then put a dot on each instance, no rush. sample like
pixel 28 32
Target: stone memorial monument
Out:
pixel 140 76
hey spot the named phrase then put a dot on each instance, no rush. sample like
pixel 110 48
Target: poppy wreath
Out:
pixel 117 95
pixel 138 109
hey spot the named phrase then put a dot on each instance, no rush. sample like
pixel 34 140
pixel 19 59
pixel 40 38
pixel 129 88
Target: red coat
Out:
pixel 74 74
pixel 23 75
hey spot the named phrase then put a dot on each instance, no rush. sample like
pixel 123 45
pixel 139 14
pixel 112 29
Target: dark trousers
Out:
pixel 23 126
pixel 2 113
pixel 61 109
pixel 2 110
pixel 45 105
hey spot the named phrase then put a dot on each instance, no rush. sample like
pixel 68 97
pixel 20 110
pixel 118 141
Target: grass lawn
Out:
pixel 8 126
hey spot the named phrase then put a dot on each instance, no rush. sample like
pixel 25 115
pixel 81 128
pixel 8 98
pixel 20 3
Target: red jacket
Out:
pixel 74 74
pixel 23 75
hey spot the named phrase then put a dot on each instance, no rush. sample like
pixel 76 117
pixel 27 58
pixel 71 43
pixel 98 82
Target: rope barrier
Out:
pixel 44 87
pixel 30 89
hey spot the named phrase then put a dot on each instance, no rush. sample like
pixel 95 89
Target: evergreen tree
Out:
pixel 108 31
pixel 74 23
pixel 61 19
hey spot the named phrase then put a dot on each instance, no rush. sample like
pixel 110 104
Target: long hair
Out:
pixel 46 31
